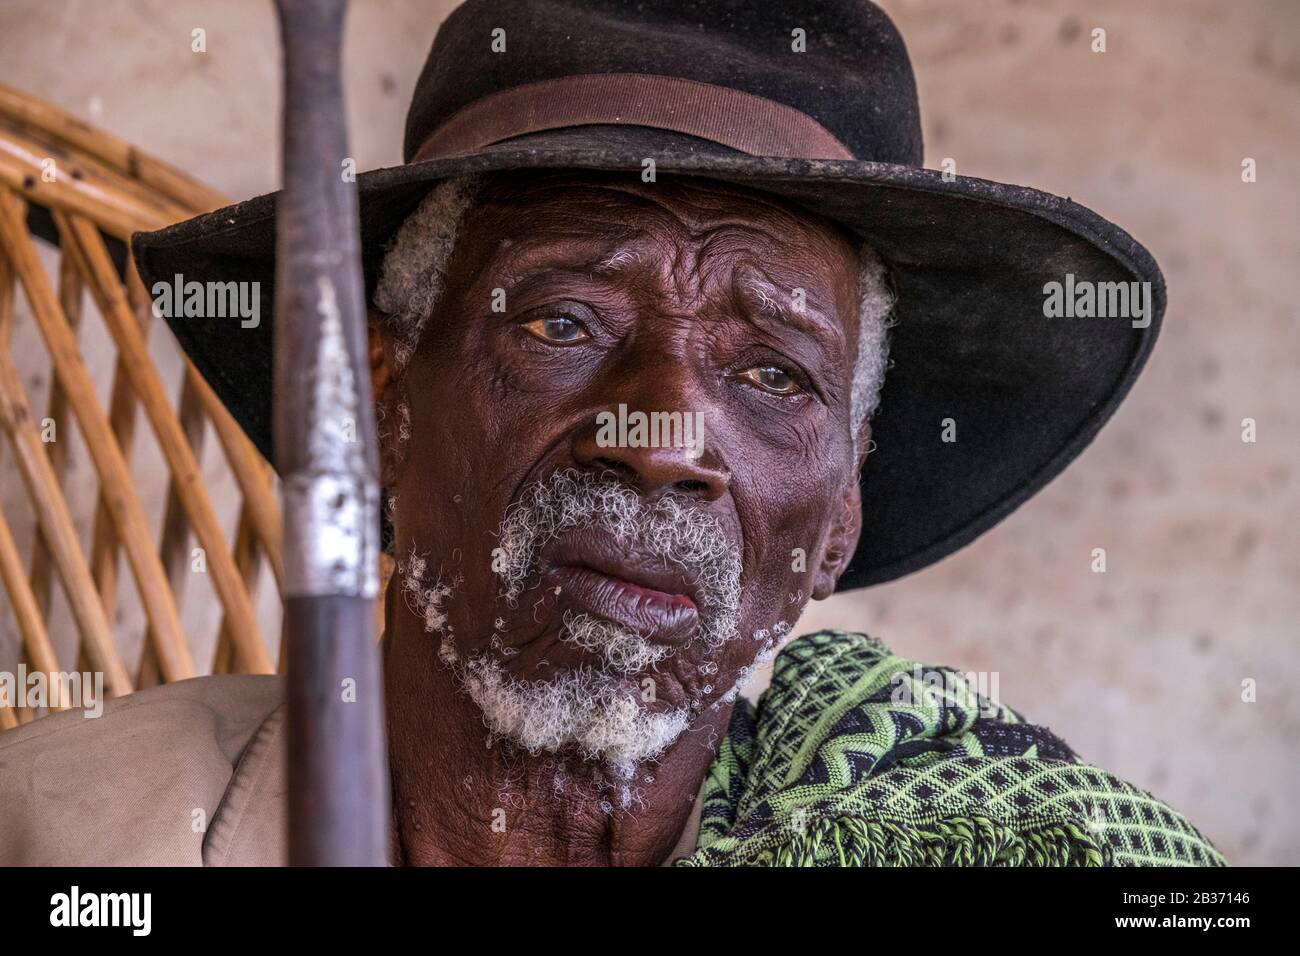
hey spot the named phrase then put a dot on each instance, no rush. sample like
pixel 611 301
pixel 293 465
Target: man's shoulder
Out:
pixel 869 735
pixel 836 670
pixel 151 781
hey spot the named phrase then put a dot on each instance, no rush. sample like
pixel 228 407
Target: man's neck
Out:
pixel 461 797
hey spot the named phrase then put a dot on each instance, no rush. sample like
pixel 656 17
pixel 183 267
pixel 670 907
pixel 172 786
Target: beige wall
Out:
pixel 1141 668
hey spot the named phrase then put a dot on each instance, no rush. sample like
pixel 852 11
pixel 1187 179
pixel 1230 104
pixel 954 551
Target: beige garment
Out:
pixel 187 774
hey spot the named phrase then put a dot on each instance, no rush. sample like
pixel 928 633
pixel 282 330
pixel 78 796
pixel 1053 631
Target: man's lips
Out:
pixel 637 592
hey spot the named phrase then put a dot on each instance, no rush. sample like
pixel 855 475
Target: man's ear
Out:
pixel 381 369
pixel 842 541
pixel 386 387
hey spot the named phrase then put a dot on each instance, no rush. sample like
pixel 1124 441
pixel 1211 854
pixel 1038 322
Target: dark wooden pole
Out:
pixel 339 810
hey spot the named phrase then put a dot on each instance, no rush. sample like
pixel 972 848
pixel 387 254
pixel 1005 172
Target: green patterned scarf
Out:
pixel 856 757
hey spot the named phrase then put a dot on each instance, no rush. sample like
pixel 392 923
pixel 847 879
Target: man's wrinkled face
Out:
pixel 596 584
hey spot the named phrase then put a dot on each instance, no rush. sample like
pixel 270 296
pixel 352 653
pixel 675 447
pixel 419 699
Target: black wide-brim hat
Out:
pixel 811 101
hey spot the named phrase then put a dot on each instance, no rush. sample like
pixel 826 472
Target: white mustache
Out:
pixel 670 527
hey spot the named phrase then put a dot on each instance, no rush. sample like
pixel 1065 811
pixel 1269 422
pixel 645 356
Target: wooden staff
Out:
pixel 325 448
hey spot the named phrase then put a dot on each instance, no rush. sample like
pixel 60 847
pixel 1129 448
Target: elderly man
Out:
pixel 633 297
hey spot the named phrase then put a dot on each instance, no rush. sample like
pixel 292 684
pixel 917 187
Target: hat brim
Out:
pixel 1025 393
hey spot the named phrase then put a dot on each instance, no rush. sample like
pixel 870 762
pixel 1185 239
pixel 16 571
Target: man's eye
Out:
pixel 771 379
pixel 558 329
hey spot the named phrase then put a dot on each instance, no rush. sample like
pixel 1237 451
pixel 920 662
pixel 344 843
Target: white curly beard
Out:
pixel 595 710
pixel 591 710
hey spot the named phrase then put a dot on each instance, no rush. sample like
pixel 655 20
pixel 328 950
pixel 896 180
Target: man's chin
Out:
pixel 595 714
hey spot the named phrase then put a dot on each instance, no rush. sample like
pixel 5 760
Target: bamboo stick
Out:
pixel 246 560
pixel 103 178
pixel 60 127
pixel 82 239
pixel 132 528
pixel 104 542
pixel 118 204
pixel 70 289
pixel 28 613
pixel 251 471
pixel 6 338
pixel 28 111
pixel 31 623
pixel 57 528
pixel 176 528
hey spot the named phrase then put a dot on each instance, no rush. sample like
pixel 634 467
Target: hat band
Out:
pixel 742 121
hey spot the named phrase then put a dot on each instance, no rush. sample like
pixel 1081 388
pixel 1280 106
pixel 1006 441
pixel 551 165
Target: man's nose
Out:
pixel 676 467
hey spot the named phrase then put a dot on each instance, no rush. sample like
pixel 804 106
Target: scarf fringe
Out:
pixel 952 841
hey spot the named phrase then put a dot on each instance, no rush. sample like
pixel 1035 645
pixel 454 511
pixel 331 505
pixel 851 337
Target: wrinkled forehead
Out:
pixel 609 223
pixel 693 206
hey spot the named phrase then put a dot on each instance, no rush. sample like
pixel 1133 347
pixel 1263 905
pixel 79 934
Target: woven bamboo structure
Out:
pixel 63 180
